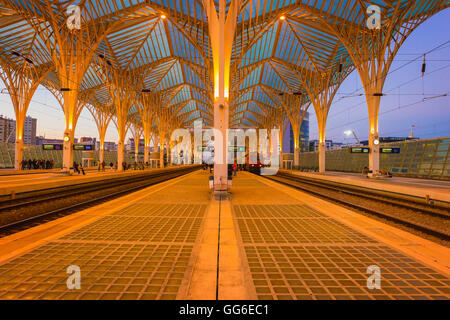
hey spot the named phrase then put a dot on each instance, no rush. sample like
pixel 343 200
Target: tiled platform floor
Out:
pixel 148 248
pixel 293 251
pixel 143 251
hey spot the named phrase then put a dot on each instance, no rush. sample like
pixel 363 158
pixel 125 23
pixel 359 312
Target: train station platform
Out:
pixel 175 240
pixel 26 182
pixel 435 189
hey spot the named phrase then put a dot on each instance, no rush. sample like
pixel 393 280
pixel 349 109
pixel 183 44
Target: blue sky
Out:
pixel 404 94
pixel 401 108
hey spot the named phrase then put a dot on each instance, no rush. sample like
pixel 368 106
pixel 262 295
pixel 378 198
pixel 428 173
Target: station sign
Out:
pixel 58 146
pixel 206 148
pixel 236 149
pixel 359 150
pixel 389 150
pixel 84 147
pixel 52 146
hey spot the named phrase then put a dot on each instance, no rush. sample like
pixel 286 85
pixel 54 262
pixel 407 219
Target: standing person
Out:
pixel 82 170
pixel 75 167
pixel 103 165
pixel 234 168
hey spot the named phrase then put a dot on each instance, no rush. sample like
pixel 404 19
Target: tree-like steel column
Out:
pixel 102 115
pixel 321 87
pixel 21 81
pixel 123 86
pixel 295 107
pixel 373 43
pixel 221 32
pixel 163 127
pixel 146 107
pixel 136 131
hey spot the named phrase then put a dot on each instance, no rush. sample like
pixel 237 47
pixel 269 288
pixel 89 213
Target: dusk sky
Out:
pixel 402 107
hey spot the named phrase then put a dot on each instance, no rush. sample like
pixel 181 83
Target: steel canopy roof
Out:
pixel 271 57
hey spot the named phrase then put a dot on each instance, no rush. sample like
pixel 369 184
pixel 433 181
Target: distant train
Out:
pixel 254 162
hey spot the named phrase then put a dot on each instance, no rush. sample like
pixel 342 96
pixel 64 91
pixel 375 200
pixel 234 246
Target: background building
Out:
pixel 107 145
pixel 7 130
pixel 29 131
pixel 329 145
pixel 288 139
pixel 129 147
pixel 40 140
pixel 88 140
pixel 390 139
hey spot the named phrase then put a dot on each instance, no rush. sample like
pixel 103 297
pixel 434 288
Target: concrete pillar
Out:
pixel 146 153
pixel 120 154
pixel 322 157
pixel 373 99
pixel 18 155
pixel 221 122
pixel 101 154
pixel 296 157
pixel 68 150
pixel 136 150
pixel 161 150
pixel 374 154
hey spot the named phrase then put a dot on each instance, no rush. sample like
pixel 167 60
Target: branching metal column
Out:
pixel 221 30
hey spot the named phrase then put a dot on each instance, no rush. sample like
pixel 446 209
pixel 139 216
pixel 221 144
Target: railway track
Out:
pixel 54 203
pixel 432 219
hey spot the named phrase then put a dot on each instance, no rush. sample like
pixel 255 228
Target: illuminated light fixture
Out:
pixel 20 138
pixel 376 142
pixel 163 16
pixel 283 18
pixel 66 138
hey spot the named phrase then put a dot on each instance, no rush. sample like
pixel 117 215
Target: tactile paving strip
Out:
pixel 295 252
pixel 339 272
pixel 108 271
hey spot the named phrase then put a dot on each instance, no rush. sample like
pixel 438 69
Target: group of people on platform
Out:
pixel 125 166
pixel 233 168
pixel 78 168
pixel 37 164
